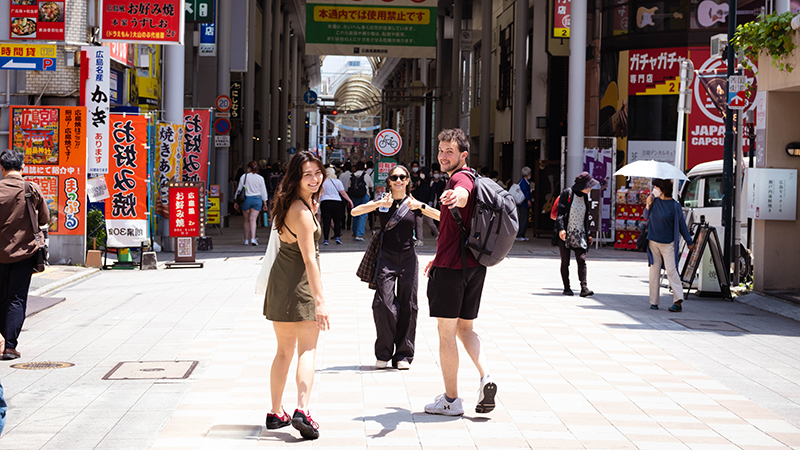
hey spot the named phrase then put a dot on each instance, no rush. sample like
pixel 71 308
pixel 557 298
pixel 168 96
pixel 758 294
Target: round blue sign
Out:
pixel 293 150
pixel 222 125
pixel 310 97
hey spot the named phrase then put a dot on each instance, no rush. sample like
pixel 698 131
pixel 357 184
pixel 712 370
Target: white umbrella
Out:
pixel 652 169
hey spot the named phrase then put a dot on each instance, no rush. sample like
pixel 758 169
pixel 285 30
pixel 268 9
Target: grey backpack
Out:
pixel 493 225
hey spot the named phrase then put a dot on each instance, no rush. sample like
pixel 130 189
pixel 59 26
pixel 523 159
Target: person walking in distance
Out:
pixel 294 301
pixel 360 185
pixel 17 245
pixel 665 226
pixel 255 201
pixel 572 229
pixel 394 307
pixel 454 291
pixel 332 206
pixel 524 207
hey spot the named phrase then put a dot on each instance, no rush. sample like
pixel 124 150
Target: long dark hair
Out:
pixel 289 189
pixel 408 177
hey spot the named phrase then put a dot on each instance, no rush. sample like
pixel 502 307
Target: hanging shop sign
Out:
pixel 28 57
pixel 561 10
pixel 208 40
pixel 706 125
pixel 236 100
pixel 169 157
pixel 400 28
pixel 655 71
pixel 153 21
pixel 186 210
pixel 39 20
pixel 53 140
pixel 126 219
pixel 95 73
pixel 121 52
pixel 199 11
pixel 197 125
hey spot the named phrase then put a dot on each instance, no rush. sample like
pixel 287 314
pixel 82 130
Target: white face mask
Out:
pixel 415 169
pixel 422 176
pixel 436 176
pixel 656 192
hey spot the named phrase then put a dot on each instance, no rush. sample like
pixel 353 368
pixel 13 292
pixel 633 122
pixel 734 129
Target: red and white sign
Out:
pixel 388 142
pixel 197 126
pixel 223 103
pixel 119 53
pixel 655 71
pixel 40 20
pixel 561 18
pixel 152 21
pixel 706 126
pixel 96 97
pixel 126 209
pixel 184 211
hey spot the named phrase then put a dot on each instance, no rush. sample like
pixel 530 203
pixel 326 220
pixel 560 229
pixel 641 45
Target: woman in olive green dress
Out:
pixel 294 301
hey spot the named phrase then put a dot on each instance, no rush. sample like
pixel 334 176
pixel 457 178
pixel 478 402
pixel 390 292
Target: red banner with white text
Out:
pixel 197 132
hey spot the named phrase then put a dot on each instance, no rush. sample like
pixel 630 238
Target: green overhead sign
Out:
pixel 199 11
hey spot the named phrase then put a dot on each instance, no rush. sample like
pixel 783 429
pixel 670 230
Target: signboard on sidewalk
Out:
pixel 126 219
pixel 96 92
pixel 385 165
pixel 37 19
pixel 28 57
pixel 53 140
pixel 153 21
pixel 402 28
pixel 186 209
pixel 197 126
pixel 169 156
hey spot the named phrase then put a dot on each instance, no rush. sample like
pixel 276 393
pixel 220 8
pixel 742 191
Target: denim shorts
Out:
pixel 253 202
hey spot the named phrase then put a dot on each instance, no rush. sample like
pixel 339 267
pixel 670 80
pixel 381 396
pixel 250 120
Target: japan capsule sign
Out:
pixel 184 211
pixel 126 208
pixel 386 28
pixel 151 22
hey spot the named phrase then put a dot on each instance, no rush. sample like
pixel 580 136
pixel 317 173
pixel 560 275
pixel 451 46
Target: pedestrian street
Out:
pixel 603 372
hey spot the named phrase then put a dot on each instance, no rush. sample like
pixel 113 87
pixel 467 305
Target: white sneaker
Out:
pixel 381 364
pixel 246 242
pixel 358 238
pixel 519 239
pixel 441 406
pixel 254 242
pixel 486 395
pixel 403 365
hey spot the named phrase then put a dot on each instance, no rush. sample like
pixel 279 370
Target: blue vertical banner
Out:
pixel 208 40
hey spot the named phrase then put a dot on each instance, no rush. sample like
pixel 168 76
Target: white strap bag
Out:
pixel 273 246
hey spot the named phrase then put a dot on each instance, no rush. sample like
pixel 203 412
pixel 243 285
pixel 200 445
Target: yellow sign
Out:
pixel 350 14
pixel 668 87
pixel 28 50
pixel 212 214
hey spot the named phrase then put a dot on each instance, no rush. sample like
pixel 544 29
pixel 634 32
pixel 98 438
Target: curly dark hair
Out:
pixel 289 189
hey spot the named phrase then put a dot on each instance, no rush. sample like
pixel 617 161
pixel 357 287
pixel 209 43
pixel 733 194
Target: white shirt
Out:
pixel 253 185
pixel 331 187
pixel 345 179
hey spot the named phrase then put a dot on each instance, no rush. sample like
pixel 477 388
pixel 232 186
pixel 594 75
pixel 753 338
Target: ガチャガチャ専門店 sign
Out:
pixel 153 21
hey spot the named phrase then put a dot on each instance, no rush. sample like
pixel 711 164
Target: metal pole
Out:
pixel 283 111
pixel 455 99
pixel 293 141
pixel 486 82
pixel 684 105
pixel 727 156
pixel 223 88
pixel 737 238
pixel 423 119
pixel 266 70
pixel 437 108
pixel 577 89
pixel 274 147
pixel 249 89
pixel 324 137
pixel 407 116
pixel 520 101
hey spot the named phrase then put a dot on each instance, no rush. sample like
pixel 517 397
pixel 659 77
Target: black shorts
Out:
pixel 452 296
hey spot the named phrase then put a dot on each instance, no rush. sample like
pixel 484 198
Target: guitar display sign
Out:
pixel 713 14
pixel 655 71
pixel 646 17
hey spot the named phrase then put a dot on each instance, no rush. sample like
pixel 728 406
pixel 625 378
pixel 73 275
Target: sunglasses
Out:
pixel 398 177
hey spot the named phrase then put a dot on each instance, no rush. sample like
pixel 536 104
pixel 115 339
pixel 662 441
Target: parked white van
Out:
pixel 702 196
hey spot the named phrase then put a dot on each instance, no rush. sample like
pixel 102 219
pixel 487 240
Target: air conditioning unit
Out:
pixel 719 43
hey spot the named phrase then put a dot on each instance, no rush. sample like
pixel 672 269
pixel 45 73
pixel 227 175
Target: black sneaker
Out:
pixel 568 291
pixel 275 421
pixel 586 292
pixel 305 424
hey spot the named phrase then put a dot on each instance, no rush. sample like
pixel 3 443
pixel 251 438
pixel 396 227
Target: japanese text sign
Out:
pixel 37 19
pixel 385 165
pixel 168 167
pixel 28 57
pixel 394 28
pixel 152 21
pixel 772 194
pixel 655 71
pixel 199 11
pixel 197 125
pixel 96 97
pixel 53 140
pixel 185 207
pixel 126 219
pixel 561 10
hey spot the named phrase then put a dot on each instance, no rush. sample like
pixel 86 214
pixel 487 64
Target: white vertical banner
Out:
pixel 97 90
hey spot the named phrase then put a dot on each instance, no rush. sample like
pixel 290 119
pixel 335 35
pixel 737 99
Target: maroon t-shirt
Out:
pixel 448 246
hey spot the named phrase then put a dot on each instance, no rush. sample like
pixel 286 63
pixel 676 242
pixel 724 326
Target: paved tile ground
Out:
pixel 573 373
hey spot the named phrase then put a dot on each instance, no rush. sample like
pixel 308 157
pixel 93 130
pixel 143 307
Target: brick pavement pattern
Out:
pixel 603 372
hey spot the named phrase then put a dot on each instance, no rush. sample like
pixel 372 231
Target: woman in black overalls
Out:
pixel 394 307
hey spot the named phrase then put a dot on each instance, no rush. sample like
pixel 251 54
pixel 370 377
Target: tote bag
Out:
pixel 273 246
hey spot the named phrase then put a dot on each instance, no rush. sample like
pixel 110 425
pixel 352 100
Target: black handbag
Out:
pixel 241 196
pixel 642 242
pixel 41 255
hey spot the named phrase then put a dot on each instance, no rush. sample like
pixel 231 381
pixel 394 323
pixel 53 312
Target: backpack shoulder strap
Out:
pixel 31 211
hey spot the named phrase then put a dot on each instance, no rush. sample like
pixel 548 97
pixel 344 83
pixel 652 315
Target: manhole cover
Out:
pixel 151 370
pixel 42 365
pixel 709 325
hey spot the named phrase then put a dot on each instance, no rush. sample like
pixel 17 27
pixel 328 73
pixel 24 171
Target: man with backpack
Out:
pixel 454 291
pixel 360 185
pixel 525 205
